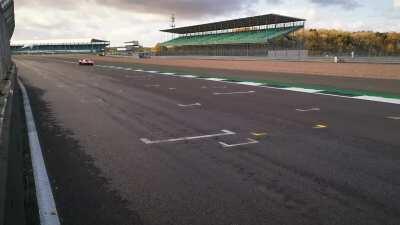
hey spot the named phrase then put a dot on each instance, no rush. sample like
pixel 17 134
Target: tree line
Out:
pixel 336 42
pixel 363 43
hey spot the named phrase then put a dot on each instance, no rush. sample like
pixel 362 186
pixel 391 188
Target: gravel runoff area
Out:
pixel 356 70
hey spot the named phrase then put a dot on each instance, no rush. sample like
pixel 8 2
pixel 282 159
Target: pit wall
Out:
pixel 5 53
pixel 15 204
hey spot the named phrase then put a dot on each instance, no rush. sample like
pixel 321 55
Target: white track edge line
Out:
pixel 45 199
pixel 293 89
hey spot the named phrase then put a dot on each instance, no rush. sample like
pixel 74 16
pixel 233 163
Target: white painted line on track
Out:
pixel 170 74
pixel 152 71
pixel 172 89
pixel 295 89
pixel 250 83
pixel 189 76
pixel 224 133
pixel 379 99
pixel 308 110
pixel 250 142
pixel 304 90
pixel 393 117
pixel 189 105
pixel 234 93
pixel 45 199
pixel 214 79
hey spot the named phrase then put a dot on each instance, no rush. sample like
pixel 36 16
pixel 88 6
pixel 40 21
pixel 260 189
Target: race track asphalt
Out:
pixel 130 147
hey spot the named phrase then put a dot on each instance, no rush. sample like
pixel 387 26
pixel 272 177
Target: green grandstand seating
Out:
pixel 248 37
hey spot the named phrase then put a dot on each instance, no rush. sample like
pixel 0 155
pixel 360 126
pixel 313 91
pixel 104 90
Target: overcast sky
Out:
pixel 125 20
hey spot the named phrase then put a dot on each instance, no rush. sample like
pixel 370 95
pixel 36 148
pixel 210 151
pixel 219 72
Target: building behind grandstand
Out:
pixel 265 35
pixel 85 45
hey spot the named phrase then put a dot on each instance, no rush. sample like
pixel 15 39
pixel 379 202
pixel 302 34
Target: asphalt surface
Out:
pixel 117 150
pixel 349 82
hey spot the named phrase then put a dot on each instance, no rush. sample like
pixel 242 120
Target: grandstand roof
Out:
pixel 80 41
pixel 248 37
pixel 236 23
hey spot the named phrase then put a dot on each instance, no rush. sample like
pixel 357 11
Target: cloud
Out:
pixel 396 4
pixel 182 8
pixel 124 20
pixel 346 4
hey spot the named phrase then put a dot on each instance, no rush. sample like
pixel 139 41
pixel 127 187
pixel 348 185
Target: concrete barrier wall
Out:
pixel 5 54
pixel 12 138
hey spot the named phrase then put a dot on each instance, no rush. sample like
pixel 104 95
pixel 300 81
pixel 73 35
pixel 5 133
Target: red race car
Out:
pixel 86 62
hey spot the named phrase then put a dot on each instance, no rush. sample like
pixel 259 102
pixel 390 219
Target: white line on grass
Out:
pixel 224 133
pixel 45 199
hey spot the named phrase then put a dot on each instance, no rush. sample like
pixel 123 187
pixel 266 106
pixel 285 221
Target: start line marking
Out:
pixel 189 105
pixel 234 93
pixel 308 110
pixel 224 133
pixel 250 142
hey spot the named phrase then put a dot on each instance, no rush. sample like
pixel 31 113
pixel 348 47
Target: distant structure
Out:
pixel 129 48
pixel 173 20
pixel 173 25
pixel 265 35
pixel 59 46
pixel 132 46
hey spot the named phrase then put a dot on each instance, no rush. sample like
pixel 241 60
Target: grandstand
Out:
pixel 252 36
pixel 65 46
